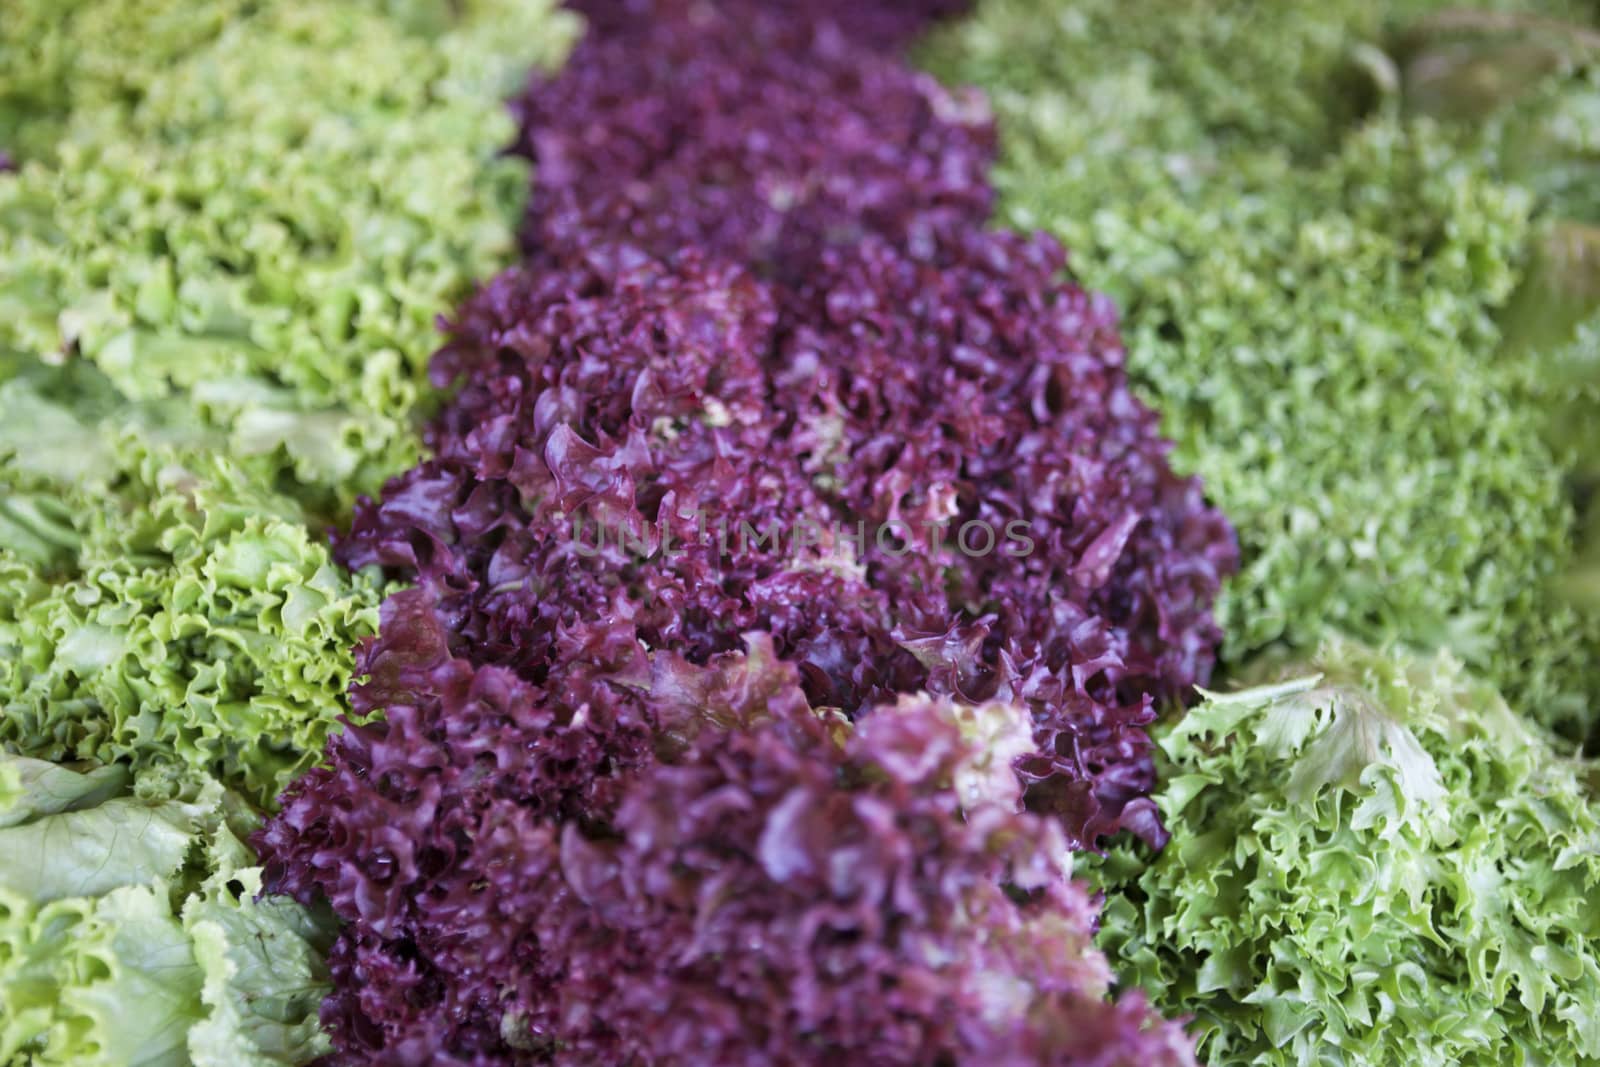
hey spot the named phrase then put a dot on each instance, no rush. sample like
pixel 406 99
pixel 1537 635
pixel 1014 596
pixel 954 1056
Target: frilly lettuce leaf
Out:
pixel 1373 861
pixel 129 930
pixel 169 609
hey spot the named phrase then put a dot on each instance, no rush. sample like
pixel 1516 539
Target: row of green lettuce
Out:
pixel 1356 249
pixel 230 230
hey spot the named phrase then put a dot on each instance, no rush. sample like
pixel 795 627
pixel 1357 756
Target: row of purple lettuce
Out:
pixel 613 811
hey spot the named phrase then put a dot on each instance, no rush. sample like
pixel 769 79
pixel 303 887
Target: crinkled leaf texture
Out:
pixel 129 932
pixel 757 804
pixel 881 25
pixel 1373 862
pixel 689 864
pixel 756 130
pixel 261 208
pixel 157 604
pixel 964 382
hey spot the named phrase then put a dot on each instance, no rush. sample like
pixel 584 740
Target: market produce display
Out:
pixel 784 532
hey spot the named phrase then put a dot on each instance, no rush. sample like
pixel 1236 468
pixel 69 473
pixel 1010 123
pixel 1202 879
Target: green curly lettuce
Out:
pixel 268 223
pixel 72 55
pixel 1522 91
pixel 1311 291
pixel 130 933
pixel 1373 861
pixel 157 606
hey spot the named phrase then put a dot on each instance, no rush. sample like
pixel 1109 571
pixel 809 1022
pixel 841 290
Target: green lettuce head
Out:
pixel 220 264
pixel 157 605
pixel 1373 862
pixel 130 933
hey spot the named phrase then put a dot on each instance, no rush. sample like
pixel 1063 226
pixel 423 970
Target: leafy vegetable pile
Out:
pixel 757 295
pixel 266 219
pixel 1353 244
pixel 158 605
pixel 773 889
pixel 1374 856
pixel 726 648
pixel 751 135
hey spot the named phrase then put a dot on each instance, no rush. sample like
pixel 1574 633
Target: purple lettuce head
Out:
pixel 775 898
pixel 768 887
pixel 535 811
pixel 750 132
